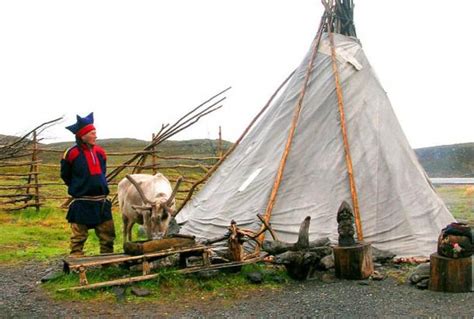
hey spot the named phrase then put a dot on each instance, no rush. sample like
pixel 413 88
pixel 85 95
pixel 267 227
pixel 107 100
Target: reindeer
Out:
pixel 147 200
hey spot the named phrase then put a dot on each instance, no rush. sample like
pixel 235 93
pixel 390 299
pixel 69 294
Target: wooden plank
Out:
pixel 74 263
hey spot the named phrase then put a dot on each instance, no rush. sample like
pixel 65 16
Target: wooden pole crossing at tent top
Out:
pixel 340 103
pixel 296 114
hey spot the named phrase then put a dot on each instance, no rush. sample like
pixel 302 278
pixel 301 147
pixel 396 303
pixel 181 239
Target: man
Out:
pixel 83 170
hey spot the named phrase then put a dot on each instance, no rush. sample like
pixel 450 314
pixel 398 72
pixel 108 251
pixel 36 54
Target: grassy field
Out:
pixel 460 201
pixel 28 235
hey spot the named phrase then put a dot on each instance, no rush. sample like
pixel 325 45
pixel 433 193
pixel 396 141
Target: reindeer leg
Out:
pixel 125 226
pixel 129 230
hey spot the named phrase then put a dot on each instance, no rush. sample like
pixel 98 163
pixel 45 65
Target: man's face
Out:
pixel 90 137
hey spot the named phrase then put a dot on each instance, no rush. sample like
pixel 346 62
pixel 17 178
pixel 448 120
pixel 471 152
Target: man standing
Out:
pixel 83 170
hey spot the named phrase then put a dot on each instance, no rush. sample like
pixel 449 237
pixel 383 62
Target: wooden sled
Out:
pixel 81 265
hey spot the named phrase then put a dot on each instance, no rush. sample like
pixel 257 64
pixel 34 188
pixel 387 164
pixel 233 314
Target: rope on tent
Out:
pixel 340 103
pixel 294 122
pixel 224 157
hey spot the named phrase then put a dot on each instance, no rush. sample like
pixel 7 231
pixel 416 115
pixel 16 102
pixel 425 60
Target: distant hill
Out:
pixel 455 160
pixel 7 139
pixel 188 147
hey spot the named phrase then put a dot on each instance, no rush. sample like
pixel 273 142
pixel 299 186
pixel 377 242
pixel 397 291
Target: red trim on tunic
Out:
pixel 72 154
pixel 93 162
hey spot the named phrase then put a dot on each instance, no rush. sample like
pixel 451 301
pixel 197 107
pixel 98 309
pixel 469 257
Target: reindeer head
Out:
pixel 156 213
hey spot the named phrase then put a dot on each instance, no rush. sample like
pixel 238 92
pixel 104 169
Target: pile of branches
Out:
pixel 21 146
pixel 342 12
pixel 167 131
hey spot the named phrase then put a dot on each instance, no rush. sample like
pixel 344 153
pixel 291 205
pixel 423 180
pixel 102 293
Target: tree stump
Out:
pixel 449 274
pixel 300 258
pixel 353 262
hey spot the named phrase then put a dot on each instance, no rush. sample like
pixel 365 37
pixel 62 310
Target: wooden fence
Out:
pixel 32 181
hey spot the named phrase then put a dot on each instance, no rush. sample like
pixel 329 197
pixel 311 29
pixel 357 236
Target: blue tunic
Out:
pixel 83 170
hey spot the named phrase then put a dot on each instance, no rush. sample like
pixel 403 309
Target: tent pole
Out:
pixel 294 122
pixel 340 103
pixel 224 157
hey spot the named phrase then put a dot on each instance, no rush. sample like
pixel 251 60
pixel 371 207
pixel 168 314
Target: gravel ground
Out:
pixel 21 297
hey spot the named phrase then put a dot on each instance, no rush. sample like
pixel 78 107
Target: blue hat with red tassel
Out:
pixel 83 125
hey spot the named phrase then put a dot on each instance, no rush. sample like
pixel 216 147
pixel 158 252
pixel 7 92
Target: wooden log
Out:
pixel 353 262
pixel 149 246
pixel 449 274
pixel 276 247
pixel 301 264
pixel 34 169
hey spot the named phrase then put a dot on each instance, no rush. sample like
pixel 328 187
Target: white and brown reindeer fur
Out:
pixel 147 200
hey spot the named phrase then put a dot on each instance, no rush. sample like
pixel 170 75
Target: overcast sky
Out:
pixel 138 64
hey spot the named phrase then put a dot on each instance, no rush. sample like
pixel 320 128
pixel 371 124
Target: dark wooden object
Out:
pixel 353 262
pixel 302 257
pixel 150 246
pixel 127 281
pixel 449 274
pixel 82 264
pixel 345 225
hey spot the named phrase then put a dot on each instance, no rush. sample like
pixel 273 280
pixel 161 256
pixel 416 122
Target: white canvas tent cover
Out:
pixel 399 208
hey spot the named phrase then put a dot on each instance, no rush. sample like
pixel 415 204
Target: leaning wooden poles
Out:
pixel 224 157
pixel 294 122
pixel 347 151
pixel 167 131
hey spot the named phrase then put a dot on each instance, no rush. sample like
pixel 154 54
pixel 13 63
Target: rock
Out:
pixel 255 277
pixel 381 256
pixel 207 274
pixel 377 276
pixel 140 292
pixel 423 284
pixel 328 278
pixel 25 289
pixel 327 262
pixel 51 275
pixel 421 272
pixel 363 283
pixel 173 227
pixel 119 293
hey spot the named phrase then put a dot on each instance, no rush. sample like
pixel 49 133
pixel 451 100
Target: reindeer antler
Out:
pixel 139 189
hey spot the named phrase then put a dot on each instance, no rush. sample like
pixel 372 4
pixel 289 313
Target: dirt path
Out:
pixel 21 297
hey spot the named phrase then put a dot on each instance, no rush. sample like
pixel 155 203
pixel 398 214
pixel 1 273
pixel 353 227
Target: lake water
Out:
pixel 459 181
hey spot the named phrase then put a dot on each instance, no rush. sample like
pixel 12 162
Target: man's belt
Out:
pixel 99 198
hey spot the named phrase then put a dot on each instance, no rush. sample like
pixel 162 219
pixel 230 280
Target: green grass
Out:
pixel 460 201
pixel 30 235
pixel 168 287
